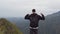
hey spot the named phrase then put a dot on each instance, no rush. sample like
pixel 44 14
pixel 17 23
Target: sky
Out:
pixel 19 8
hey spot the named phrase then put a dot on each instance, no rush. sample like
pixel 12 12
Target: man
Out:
pixel 34 19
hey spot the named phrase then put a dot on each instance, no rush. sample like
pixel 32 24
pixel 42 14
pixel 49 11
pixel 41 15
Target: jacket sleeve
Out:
pixel 42 17
pixel 27 16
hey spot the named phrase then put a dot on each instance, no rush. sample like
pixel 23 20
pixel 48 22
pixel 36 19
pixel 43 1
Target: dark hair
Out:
pixel 33 10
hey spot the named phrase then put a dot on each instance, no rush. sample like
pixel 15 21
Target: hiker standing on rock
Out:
pixel 34 19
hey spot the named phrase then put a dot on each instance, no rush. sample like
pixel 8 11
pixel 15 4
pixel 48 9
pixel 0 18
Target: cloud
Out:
pixel 19 8
pixel 31 4
pixel 54 4
pixel 9 4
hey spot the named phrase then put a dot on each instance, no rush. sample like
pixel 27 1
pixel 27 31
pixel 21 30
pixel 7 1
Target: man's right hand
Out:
pixel 27 14
pixel 41 14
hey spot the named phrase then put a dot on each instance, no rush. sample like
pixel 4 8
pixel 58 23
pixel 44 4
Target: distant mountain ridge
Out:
pixel 51 24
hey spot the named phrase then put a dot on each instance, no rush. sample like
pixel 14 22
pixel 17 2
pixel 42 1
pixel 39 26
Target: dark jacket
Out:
pixel 34 19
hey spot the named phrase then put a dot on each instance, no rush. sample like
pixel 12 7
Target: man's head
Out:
pixel 33 10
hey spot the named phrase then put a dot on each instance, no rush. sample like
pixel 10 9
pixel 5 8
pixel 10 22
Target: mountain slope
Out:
pixel 51 24
pixel 7 27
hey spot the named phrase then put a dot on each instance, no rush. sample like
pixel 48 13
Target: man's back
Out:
pixel 34 19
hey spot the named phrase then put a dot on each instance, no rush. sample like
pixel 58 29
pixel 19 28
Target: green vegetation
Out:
pixel 7 27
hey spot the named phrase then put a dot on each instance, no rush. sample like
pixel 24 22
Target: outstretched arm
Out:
pixel 27 16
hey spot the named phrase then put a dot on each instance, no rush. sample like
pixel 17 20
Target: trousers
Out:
pixel 33 31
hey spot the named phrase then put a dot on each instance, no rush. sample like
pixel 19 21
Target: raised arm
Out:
pixel 27 16
pixel 42 17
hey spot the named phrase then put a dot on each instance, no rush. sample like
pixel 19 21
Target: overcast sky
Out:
pixel 19 8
